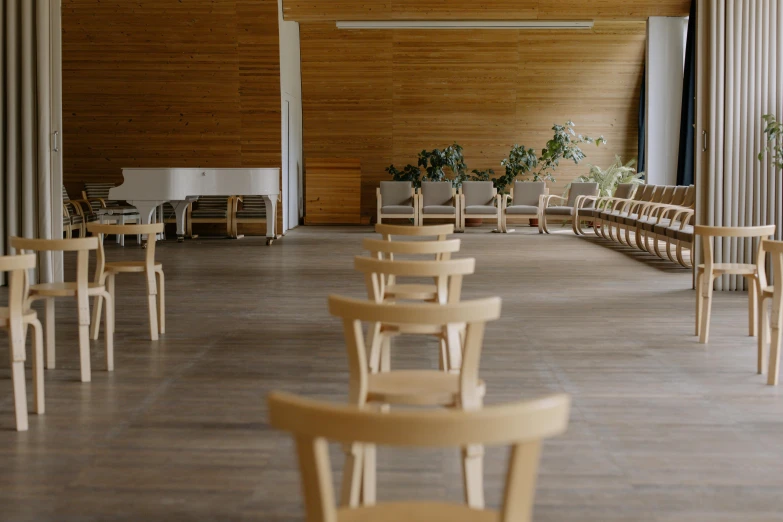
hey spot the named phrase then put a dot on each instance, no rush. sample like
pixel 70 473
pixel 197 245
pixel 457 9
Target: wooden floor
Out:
pixel 662 429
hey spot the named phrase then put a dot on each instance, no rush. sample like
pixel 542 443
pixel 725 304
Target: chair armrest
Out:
pixel 498 201
pixel 76 206
pixel 582 200
pixel 545 199
pixel 505 199
pixel 378 197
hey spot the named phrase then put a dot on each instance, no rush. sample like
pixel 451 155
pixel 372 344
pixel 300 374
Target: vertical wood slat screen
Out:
pixel 743 80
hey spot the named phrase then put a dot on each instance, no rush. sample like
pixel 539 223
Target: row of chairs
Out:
pixel 643 217
pixel 230 211
pixel 395 308
pixel 478 200
pixel 19 315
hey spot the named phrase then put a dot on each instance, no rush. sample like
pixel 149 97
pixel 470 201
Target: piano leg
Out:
pixel 146 211
pixel 271 219
pixel 179 209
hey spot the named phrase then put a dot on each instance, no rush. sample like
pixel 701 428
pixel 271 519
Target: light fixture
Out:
pixel 464 24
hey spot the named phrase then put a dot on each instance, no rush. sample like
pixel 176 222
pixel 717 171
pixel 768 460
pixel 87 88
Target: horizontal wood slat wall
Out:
pixel 383 96
pixel 329 10
pixel 333 191
pixel 163 83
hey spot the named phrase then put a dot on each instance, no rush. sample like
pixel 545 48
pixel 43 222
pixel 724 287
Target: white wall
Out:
pixel 665 62
pixel 291 91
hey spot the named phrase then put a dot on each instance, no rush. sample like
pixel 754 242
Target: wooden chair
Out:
pixel 522 425
pixel 153 272
pixel 15 318
pixel 382 287
pixel 566 212
pixel 463 390
pixel 480 199
pixel 709 270
pixel 97 195
pixel 81 289
pixel 211 209
pixel 592 206
pixel 441 232
pixel 397 200
pixel 382 249
pixel 248 209
pixel 769 327
pixel 438 200
pixel 78 212
pixel 523 202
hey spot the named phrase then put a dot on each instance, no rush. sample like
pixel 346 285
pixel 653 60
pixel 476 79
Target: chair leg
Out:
pixel 453 348
pixel 84 343
pixel 698 303
pixel 753 303
pixel 374 342
pixel 351 490
pixel 18 381
pixel 161 302
pixel 763 333
pixel 473 475
pixel 369 482
pixel 109 318
pixel 38 367
pixel 386 353
pixel 50 357
pixel 704 330
pixel 774 347
pixel 97 308
pixel 153 313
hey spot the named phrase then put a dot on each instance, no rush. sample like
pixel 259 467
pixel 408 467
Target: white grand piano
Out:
pixel 147 189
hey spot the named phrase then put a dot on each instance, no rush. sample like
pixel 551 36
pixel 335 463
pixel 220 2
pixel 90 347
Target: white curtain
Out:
pixel 741 79
pixel 28 104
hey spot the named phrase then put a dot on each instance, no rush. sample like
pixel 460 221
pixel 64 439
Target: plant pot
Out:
pixel 534 222
pixel 473 222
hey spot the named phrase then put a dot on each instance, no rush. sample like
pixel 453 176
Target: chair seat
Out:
pixel 416 512
pixel 612 215
pixel 251 214
pixel 767 291
pixel 629 220
pixel 731 268
pixel 440 209
pixel 129 266
pixel 558 211
pixel 422 292
pixel 660 228
pixel 589 212
pixel 403 210
pixel 27 317
pixel 522 209
pixel 649 224
pixel 203 214
pixel 481 209
pixel 416 388
pixel 63 289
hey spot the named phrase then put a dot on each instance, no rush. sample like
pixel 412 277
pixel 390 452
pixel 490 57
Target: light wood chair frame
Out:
pixel 81 289
pixel 441 232
pixel 505 215
pixel 708 271
pixel 770 321
pixel 522 425
pixel 456 216
pixel 236 220
pixel 15 318
pixel 497 215
pixel 367 389
pixel 106 272
pixel 415 201
pixel 544 220
pixel 228 220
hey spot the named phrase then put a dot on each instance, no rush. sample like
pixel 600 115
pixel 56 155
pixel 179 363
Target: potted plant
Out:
pixel 774 132
pixel 435 161
pixel 614 175
pixel 410 173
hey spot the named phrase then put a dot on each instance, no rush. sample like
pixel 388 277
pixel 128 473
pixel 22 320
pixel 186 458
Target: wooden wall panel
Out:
pixel 333 191
pixel 330 10
pixel 163 83
pixel 382 96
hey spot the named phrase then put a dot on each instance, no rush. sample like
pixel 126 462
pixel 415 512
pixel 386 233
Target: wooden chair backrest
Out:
pixel 707 233
pixel 439 231
pixel 81 246
pixel 679 195
pixel 645 193
pixel 448 275
pixel 667 194
pixel 522 425
pixel 17 267
pixel 381 249
pixel 775 249
pixel 151 231
pixel 690 197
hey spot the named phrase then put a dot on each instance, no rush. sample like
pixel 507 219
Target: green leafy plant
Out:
pixel 435 161
pixel 481 175
pixel 774 132
pixel 521 160
pixel 410 173
pixel 614 175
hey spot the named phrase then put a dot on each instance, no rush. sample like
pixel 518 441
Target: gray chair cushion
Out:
pixel 440 209
pixel 477 193
pixel 629 219
pixel 522 209
pixel 589 212
pixel 481 209
pixel 396 193
pixel 624 190
pixel 588 188
pixel 558 211
pixel 528 192
pixel 685 234
pixel 437 193
pixel 403 210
